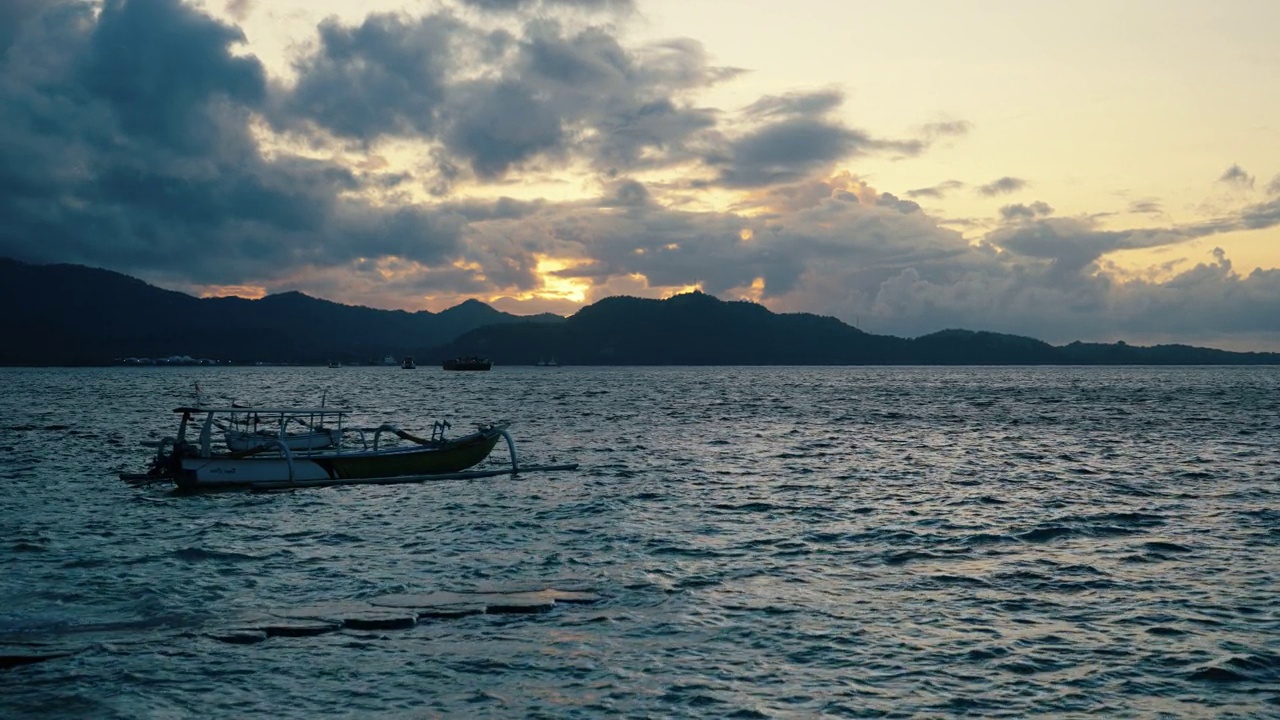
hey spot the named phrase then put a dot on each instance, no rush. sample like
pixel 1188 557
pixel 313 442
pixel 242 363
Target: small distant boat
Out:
pixel 335 364
pixel 470 362
pixel 548 363
pixel 267 463
pixel 388 360
pixel 408 364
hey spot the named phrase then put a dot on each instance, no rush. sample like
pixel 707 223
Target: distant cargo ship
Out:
pixel 468 363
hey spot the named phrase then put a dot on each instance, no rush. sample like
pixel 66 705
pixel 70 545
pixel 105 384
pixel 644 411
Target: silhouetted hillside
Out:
pixel 70 315
pixel 698 329
pixel 690 329
pixel 73 315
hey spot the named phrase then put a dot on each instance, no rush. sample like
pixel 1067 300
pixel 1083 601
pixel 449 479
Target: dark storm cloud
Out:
pixel 502 124
pixel 1235 175
pixel 164 69
pixel 1002 186
pixel 14 15
pixel 386 76
pixel 125 143
pixel 495 101
pixel 792 149
pixel 620 109
pixel 936 192
pixel 1019 211
pixel 788 151
pixel 1074 244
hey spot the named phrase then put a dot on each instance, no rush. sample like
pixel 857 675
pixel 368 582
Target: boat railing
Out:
pixel 287 454
pixel 166 447
pixel 377 433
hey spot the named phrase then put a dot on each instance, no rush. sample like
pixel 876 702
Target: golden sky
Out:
pixel 1068 170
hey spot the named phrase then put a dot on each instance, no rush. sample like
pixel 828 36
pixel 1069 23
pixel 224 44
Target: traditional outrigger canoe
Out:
pixel 355 455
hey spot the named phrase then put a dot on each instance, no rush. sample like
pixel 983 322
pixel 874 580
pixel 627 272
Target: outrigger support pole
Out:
pixel 511 445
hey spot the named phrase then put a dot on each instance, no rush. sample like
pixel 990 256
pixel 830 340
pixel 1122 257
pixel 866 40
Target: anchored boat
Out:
pixel 195 460
pixel 467 363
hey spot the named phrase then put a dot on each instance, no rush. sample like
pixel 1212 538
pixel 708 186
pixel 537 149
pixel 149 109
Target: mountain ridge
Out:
pixel 74 315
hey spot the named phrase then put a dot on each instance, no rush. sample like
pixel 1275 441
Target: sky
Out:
pixel 1083 170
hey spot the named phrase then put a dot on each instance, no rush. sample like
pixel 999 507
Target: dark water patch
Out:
pixel 1217 675
pixel 949 580
pixel 987 653
pixel 750 507
pixel 988 539
pixel 1136 519
pixel 239 637
pixel 665 550
pixel 1163 546
pixel 197 555
pixel 1046 534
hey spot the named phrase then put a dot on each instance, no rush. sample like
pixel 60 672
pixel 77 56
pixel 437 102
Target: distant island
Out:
pixel 69 315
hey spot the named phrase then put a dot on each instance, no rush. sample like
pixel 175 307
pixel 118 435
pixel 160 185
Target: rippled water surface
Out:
pixel 767 542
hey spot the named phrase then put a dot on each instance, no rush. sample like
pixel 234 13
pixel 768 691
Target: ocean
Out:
pixel 791 542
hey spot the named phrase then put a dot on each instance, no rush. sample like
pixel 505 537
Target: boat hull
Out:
pixel 226 472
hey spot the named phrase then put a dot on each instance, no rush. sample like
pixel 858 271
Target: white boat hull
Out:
pixel 213 472
pixel 240 441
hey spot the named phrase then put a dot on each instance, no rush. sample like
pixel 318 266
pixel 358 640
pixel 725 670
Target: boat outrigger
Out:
pixel 323 455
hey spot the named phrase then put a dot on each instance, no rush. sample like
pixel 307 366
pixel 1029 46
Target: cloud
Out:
pixel 1073 245
pixel 1260 216
pixel 240 9
pixel 1019 211
pixel 512 6
pixel 947 129
pixel 795 137
pixel 1002 186
pixel 811 104
pixel 492 101
pixel 386 76
pixel 787 151
pixel 1236 176
pixel 125 142
pixel 1273 187
pixel 1146 207
pixel 891 201
pixel 165 71
pixel 936 192
pixel 14 15
pixel 219 174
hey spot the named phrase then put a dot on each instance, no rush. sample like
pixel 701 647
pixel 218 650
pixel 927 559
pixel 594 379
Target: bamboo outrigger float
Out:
pixel 319 456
